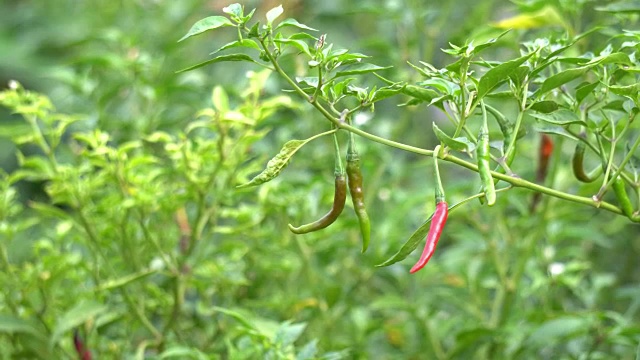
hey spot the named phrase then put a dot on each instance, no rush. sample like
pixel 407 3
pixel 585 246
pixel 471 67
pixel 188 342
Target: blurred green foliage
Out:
pixel 92 211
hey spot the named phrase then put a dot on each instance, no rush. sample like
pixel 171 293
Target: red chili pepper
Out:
pixel 546 148
pixel 81 349
pixel 435 230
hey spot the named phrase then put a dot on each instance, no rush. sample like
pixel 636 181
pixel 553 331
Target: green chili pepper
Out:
pixel 578 168
pixel 339 199
pixel 483 153
pixel 357 195
pixel 621 193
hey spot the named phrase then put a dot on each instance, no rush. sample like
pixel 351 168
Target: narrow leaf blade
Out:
pixel 230 57
pixel 206 24
pixel 452 143
pixel 416 238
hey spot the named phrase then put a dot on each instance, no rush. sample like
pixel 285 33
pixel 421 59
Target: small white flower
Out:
pixel 556 268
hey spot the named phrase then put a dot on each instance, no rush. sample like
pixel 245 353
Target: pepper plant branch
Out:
pixel 514 181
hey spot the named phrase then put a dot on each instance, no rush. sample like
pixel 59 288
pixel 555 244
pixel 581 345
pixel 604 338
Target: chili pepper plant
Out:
pixel 170 226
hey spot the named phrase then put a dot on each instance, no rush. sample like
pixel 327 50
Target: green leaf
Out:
pixel 498 74
pixel 558 330
pixel 220 99
pixel 116 283
pixel 561 78
pixel 629 90
pixel 75 317
pixel 621 7
pixel 414 240
pixel 279 162
pixel 584 89
pixel 452 143
pixel 230 57
pixel 288 333
pixel 556 130
pixel 247 43
pixel 562 117
pixel 183 352
pixel 420 93
pixel 546 106
pixel 300 44
pixel 234 9
pixel 385 92
pixel 295 23
pixel 274 14
pixel 356 69
pixel 10 324
pixel 206 24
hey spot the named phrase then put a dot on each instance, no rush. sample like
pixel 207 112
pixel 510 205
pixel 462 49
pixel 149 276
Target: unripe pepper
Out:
pixel 354 177
pixel 621 193
pixel 339 198
pixel 483 155
pixel 577 164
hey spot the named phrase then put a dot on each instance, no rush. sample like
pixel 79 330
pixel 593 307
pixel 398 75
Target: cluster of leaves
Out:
pixel 143 217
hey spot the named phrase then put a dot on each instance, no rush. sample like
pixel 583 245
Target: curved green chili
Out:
pixel 577 164
pixel 621 193
pixel 483 154
pixel 357 195
pixel 339 199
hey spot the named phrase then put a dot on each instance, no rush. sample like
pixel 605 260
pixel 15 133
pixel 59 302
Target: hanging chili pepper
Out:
pixel 357 195
pixel 438 220
pixel 339 198
pixel 483 154
pixel 544 154
pixel 81 349
pixel 577 163
pixel 621 193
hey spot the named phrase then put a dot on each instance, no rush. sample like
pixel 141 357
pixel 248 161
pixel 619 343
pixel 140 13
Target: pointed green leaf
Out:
pixel 452 143
pixel 561 78
pixel 584 90
pixel 420 93
pixel 299 44
pixel 279 162
pixel 621 7
pixel 556 130
pixel 498 74
pixel 561 117
pixel 355 69
pixel 385 92
pixel 76 316
pixel 127 279
pixel 233 9
pixel 10 324
pixel 230 57
pixel 206 24
pixel 545 107
pixel 416 238
pixel 248 43
pixel 295 23
pixel 274 14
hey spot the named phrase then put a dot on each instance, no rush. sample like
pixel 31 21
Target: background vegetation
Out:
pixel 119 216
